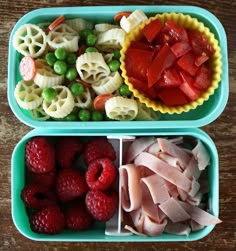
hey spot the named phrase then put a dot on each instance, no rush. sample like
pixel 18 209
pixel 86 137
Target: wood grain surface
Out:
pixel 222 131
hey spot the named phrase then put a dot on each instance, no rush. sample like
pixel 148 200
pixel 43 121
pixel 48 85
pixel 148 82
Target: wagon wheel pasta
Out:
pixel 39 114
pixel 30 40
pixel 104 27
pixel 63 36
pixel 120 108
pixel 45 76
pixel 79 24
pixel 108 84
pixel 84 100
pixel 28 95
pixel 61 105
pixel 92 67
pixel 111 40
pixel 145 113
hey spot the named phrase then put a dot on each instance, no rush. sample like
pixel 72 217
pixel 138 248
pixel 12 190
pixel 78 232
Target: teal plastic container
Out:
pixel 201 116
pixel 97 233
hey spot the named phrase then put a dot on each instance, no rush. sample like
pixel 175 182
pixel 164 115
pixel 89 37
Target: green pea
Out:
pixel 49 94
pixel 116 55
pixel 124 90
pixel 114 65
pixel 71 73
pixel 84 33
pixel 60 53
pixel 71 117
pixel 91 49
pixel 77 88
pixel 91 39
pixel 60 67
pixel 71 59
pixel 50 58
pixel 84 115
pixel 97 116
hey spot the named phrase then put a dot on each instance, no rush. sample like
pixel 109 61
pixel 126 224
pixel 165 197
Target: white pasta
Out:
pixel 84 100
pixel 30 40
pixel 111 40
pixel 39 114
pixel 28 95
pixel 133 20
pixel 79 24
pixel 61 105
pixel 108 84
pixel 145 113
pixel 63 36
pixel 45 76
pixel 92 67
pixel 120 108
pixel 104 27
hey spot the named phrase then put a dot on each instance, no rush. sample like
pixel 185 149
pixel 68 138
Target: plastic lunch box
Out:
pixel 170 125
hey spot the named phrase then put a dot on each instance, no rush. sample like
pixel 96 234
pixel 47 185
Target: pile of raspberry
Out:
pixel 70 184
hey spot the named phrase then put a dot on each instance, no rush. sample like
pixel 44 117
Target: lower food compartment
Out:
pixel 147 188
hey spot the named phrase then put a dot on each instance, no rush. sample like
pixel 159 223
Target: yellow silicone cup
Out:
pixel 185 21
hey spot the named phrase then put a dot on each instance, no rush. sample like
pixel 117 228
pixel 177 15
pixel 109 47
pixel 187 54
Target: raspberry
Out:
pixel 35 196
pixel 98 148
pixel 101 174
pixel 44 179
pixel 100 205
pixel 77 216
pixel 40 155
pixel 67 149
pixel 70 184
pixel 49 220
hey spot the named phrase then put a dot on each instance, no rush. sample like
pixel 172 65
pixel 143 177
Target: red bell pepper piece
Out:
pixel 173 96
pixel 141 86
pixel 170 78
pixel 201 59
pixel 181 48
pixel 202 80
pixel 152 29
pixel 187 63
pixel 163 60
pixel 178 32
pixel 200 43
pixel 187 86
pixel 137 62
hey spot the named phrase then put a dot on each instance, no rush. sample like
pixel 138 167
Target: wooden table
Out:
pixel 222 131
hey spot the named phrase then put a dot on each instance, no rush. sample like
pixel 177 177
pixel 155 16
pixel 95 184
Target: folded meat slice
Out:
pixel 154 148
pixel 131 192
pixel 198 215
pixel 138 146
pixel 201 155
pixel 153 228
pixel 174 211
pixel 172 161
pixel 175 151
pixel 192 170
pixel 157 188
pixel 166 171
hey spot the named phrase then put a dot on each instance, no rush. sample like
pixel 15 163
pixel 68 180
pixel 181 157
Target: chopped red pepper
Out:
pixel 152 29
pixel 163 60
pixel 202 79
pixel 137 62
pixel 187 63
pixel 201 59
pixel 173 96
pixel 180 48
pixel 187 86
pixel 177 32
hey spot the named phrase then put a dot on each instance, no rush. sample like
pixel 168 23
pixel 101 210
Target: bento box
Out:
pixel 112 230
pixel 202 115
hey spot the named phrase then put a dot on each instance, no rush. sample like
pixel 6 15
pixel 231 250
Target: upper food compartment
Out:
pixel 119 108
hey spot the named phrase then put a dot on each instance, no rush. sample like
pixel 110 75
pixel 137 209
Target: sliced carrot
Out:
pixel 121 14
pixel 27 68
pixel 55 23
pixel 100 100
